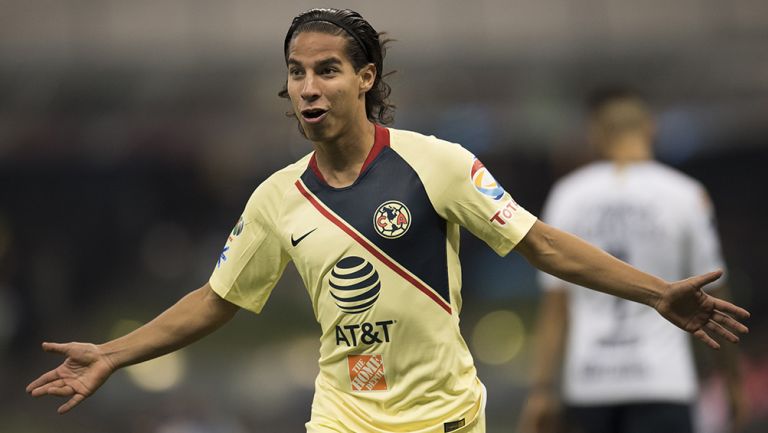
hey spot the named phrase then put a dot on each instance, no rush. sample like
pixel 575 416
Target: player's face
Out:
pixel 619 120
pixel 327 94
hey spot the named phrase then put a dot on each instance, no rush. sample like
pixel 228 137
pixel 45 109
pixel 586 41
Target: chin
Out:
pixel 316 133
pixel 312 134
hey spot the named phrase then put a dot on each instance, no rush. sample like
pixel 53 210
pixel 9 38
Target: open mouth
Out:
pixel 313 114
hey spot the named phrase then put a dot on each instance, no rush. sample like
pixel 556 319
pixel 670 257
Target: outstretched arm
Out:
pixel 682 302
pixel 87 366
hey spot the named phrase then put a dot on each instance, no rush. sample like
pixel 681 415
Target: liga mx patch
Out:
pixel 484 181
pixel 366 373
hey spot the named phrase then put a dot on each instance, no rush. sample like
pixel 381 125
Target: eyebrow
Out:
pixel 324 62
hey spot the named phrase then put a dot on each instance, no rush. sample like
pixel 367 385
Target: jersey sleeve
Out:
pixel 704 244
pixel 470 197
pixel 253 258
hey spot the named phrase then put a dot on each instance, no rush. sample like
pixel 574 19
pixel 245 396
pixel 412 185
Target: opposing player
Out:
pixel 371 221
pixel 625 369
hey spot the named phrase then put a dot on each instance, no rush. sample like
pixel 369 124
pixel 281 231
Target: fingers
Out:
pixel 60 391
pixel 706 339
pixel 702 280
pixel 74 401
pixel 731 309
pixel 55 348
pixel 52 383
pixel 46 389
pixel 721 331
pixel 729 322
pixel 42 380
pixel 53 374
pixel 722 325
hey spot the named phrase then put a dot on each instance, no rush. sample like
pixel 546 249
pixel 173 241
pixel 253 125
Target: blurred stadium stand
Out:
pixel 132 133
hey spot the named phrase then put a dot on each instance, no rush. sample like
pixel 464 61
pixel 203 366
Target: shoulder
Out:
pixel 268 196
pixel 410 142
pixel 586 179
pixel 429 155
pixel 671 174
pixel 289 174
pixel 673 181
pixel 587 173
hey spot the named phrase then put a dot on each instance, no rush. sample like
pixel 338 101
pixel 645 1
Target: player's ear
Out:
pixel 367 76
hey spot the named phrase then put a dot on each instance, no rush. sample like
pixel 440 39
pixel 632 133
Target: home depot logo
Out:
pixel 366 373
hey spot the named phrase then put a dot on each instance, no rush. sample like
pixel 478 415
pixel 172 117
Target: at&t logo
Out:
pixel 392 219
pixel 354 284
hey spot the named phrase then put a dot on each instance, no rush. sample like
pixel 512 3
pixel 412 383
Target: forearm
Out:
pixel 551 327
pixel 195 315
pixel 575 260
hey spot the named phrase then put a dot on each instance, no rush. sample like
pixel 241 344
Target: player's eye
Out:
pixel 328 71
pixel 295 72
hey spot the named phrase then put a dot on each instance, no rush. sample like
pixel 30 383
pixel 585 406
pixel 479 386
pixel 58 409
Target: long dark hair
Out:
pixel 364 46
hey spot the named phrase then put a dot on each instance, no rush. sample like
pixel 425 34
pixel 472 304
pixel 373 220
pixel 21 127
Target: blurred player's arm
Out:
pixel 541 409
pixel 682 302
pixel 88 366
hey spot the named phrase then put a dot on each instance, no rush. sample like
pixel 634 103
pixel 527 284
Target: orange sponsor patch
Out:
pixel 366 373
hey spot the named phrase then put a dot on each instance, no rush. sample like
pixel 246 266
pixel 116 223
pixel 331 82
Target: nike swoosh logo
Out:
pixel 295 242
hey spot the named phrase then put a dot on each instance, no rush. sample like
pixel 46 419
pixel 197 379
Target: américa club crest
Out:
pixel 392 219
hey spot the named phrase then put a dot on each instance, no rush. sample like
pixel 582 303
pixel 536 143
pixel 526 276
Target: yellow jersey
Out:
pixel 380 262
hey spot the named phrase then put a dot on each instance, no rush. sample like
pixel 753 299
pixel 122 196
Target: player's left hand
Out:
pixel 685 304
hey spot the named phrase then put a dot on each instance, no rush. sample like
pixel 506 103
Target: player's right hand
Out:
pixel 79 376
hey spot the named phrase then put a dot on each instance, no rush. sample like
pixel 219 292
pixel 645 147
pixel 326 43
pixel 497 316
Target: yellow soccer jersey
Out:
pixel 380 263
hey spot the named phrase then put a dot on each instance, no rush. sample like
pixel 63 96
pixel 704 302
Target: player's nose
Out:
pixel 310 89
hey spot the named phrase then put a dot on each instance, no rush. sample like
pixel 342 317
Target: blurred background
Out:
pixel 133 132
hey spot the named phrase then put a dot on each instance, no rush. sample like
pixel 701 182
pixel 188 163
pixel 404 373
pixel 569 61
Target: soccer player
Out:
pixel 625 369
pixel 371 221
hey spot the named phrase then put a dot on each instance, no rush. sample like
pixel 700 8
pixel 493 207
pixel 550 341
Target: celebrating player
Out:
pixel 371 221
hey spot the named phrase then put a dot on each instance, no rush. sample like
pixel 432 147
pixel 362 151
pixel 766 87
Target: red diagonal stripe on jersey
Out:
pixel 371 249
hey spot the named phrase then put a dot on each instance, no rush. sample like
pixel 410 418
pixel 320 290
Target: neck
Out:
pixel 341 159
pixel 629 150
